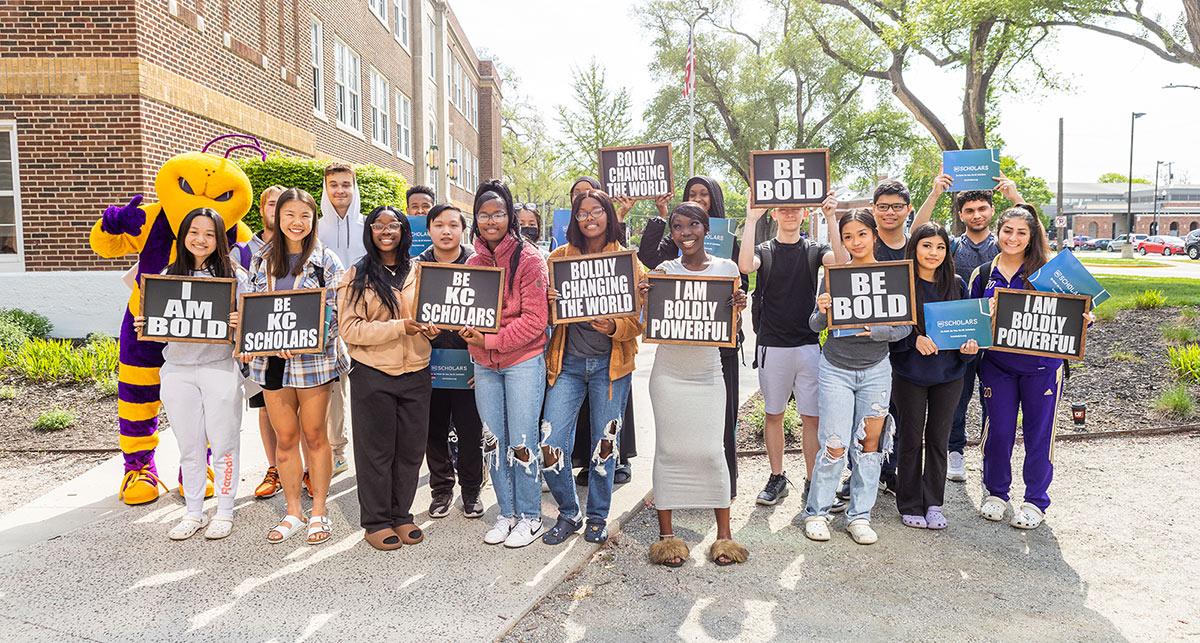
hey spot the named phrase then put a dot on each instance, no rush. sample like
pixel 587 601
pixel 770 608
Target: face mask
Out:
pixel 531 233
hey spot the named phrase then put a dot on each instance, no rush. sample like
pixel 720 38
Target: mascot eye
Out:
pixel 225 197
pixel 183 185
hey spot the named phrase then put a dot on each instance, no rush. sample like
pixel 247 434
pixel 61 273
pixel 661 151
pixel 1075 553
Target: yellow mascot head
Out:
pixel 202 180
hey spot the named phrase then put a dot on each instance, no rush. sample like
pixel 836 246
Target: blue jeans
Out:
pixel 846 400
pixel 580 378
pixel 509 402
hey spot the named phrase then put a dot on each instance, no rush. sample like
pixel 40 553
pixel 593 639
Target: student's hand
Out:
pixel 624 205
pixel 411 327
pixel 941 184
pixel 606 326
pixel 138 322
pixel 829 207
pixel 753 214
pixel 471 336
pixel 643 288
pixel 739 299
pixel 242 357
pixel 925 346
pixel 551 295
pixel 432 331
pixel 285 355
pixel 969 347
pixel 992 306
pixel 1089 318
pixel 234 319
pixel 824 301
pixel 661 203
pixel 1008 188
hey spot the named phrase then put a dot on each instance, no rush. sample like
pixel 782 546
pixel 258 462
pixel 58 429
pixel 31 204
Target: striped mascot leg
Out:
pixel 137 410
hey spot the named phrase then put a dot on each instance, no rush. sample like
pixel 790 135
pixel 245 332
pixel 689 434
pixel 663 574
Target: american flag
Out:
pixel 689 74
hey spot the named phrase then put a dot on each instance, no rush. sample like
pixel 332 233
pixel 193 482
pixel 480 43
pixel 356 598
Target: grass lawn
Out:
pixel 1178 291
pixel 1109 261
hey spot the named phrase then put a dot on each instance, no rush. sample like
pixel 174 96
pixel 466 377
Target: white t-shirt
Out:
pixel 717 267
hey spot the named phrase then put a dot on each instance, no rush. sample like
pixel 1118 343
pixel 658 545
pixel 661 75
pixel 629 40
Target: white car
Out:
pixel 1115 244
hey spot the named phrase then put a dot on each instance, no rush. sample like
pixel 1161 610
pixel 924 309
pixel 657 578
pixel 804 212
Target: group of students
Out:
pixel 549 398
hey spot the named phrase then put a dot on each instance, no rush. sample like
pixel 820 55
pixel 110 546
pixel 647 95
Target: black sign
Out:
pixel 599 286
pixel 872 294
pixel 682 309
pixel 788 177
pixel 187 309
pixel 456 296
pixel 639 171
pixel 1040 323
pixel 283 320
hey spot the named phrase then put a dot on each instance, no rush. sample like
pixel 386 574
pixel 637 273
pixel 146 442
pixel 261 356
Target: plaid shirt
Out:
pixel 308 370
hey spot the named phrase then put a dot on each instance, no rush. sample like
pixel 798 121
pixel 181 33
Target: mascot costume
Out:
pixel 186 182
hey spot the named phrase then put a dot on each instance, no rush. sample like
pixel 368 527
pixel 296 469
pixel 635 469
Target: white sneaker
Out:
pixel 498 533
pixel 956 469
pixel 860 530
pixel 339 464
pixel 188 527
pixel 526 531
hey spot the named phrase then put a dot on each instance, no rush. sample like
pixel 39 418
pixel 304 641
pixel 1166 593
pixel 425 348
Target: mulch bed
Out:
pixel 95 424
pixel 1119 394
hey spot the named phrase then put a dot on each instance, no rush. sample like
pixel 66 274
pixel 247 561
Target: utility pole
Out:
pixel 1157 168
pixel 1127 247
pixel 1062 232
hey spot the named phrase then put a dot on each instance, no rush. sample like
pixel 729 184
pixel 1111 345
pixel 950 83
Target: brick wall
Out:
pixel 1104 224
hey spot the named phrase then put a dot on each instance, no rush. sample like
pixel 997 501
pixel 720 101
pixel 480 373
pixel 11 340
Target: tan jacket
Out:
pixel 624 339
pixel 373 337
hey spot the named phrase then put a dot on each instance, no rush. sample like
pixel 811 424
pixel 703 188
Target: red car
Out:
pixel 1166 246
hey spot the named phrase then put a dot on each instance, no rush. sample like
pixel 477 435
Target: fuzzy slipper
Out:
pixel 383 540
pixel 670 547
pixel 731 550
pixel 410 533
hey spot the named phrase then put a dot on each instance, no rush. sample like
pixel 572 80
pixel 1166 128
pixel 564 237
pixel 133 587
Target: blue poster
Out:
pixel 420 240
pixel 451 368
pixel 951 323
pixel 562 219
pixel 971 169
pixel 1064 274
pixel 845 332
pixel 719 241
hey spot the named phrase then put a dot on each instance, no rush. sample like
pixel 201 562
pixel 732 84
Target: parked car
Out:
pixel 1098 244
pixel 1115 244
pixel 1193 244
pixel 1166 246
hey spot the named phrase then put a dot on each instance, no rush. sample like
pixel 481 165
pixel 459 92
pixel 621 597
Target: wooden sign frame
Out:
pixel 733 323
pixel 912 295
pixel 630 254
pixel 321 331
pixel 670 165
pixel 799 204
pixel 431 265
pixel 1087 308
pixel 233 302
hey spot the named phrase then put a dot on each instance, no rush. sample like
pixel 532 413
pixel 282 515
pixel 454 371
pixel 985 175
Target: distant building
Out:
pixel 1098 210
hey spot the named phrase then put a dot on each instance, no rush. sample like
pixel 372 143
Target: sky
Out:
pixel 542 40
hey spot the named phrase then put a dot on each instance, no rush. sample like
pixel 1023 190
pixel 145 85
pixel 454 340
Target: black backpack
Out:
pixel 758 299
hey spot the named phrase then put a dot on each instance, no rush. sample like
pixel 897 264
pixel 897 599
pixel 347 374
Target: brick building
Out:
pixel 1099 210
pixel 95 96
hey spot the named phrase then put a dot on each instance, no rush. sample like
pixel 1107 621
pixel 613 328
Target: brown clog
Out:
pixel 384 540
pixel 410 533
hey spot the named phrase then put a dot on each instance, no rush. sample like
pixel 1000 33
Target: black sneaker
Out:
pixel 440 507
pixel 843 491
pixel 838 507
pixel 887 482
pixel 472 508
pixel 776 490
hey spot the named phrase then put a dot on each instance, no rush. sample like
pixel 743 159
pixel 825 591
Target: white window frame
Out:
pixel 402 23
pixel 381 98
pixel 316 54
pixel 14 262
pixel 475 108
pixel 404 126
pixel 431 50
pixel 343 54
pixel 475 170
pixel 379 9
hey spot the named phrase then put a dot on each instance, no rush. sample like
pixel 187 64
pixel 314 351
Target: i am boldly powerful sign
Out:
pixel 1040 323
pixel 682 309
pixel 873 294
pixel 599 286
pixel 457 296
pixel 187 309
pixel 788 178
pixel 283 320
pixel 639 171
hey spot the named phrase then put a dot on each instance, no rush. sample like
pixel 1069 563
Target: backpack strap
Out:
pixel 765 259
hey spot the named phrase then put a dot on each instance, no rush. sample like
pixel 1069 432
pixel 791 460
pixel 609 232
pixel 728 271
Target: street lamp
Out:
pixel 432 159
pixel 1127 247
pixel 1174 86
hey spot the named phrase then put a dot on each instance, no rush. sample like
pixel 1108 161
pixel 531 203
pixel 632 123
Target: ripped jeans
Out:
pixel 846 399
pixel 509 402
pixel 582 377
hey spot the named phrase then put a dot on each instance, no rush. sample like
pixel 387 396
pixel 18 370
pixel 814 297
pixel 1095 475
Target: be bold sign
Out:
pixel 638 171
pixel 457 296
pixel 283 320
pixel 187 309
pixel 788 178
pixel 874 294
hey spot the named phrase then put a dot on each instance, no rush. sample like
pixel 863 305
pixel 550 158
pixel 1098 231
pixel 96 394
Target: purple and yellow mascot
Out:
pixel 185 182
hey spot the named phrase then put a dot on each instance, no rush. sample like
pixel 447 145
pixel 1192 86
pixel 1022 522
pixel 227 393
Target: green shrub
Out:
pixel 32 323
pixel 55 420
pixel 756 414
pixel 1121 356
pixel 107 387
pixel 1105 313
pixel 1189 312
pixel 8 392
pixel 1180 333
pixel 1185 362
pixel 12 337
pixel 59 359
pixel 376 185
pixel 1148 299
pixel 1176 401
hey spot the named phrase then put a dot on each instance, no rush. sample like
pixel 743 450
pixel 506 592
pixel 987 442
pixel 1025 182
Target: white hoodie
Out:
pixel 344 236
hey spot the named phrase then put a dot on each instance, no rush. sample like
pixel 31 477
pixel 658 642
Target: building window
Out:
pixel 475 106
pixel 10 202
pixel 379 8
pixel 316 61
pixel 458 87
pixel 430 49
pixel 403 126
pixel 380 99
pixel 475 170
pixel 400 14
pixel 349 88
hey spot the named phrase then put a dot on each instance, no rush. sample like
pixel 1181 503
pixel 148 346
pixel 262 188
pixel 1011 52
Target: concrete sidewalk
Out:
pixel 81 565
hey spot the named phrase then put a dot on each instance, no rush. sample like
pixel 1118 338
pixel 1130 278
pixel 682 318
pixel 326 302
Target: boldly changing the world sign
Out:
pixel 595 286
pixel 684 309
pixel 638 171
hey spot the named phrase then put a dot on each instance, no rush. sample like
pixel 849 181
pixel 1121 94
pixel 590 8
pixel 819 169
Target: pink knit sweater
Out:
pixel 524 312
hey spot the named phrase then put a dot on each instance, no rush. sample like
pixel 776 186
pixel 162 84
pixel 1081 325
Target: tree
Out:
pixel 1174 40
pixel 600 118
pixel 1117 177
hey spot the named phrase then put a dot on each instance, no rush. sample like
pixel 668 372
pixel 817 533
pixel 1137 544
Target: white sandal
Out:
pixel 294 523
pixel 318 525
pixel 993 508
pixel 220 527
pixel 187 527
pixel 816 528
pixel 1027 517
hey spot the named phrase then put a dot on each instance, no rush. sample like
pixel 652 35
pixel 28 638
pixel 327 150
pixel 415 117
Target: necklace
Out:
pixel 391 270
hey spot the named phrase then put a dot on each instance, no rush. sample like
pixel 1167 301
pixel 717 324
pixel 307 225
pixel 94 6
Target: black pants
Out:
pixel 924 414
pixel 454 407
pixel 729 369
pixel 390 419
pixel 581 452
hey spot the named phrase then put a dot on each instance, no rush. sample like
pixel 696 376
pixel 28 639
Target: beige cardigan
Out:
pixel 375 338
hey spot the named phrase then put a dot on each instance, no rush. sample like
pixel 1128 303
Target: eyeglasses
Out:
pixel 894 207
pixel 390 227
pixel 594 214
pixel 532 207
pixel 495 216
